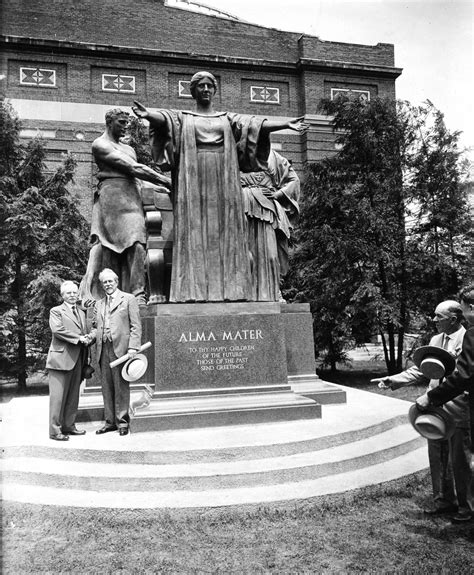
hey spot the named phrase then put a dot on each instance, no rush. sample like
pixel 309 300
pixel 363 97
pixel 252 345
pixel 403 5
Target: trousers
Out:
pixel 450 467
pixel 115 390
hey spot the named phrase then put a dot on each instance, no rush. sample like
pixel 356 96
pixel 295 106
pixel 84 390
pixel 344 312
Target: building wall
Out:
pixel 158 46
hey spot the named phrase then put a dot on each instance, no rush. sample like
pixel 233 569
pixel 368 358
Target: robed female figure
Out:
pixel 205 151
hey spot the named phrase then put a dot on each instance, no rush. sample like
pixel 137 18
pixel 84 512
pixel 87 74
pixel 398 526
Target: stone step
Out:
pixel 153 410
pixel 414 461
pixel 209 475
pixel 364 441
pixel 162 411
pixel 159 453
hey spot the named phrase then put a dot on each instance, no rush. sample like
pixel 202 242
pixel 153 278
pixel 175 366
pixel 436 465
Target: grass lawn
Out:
pixel 379 529
pixel 359 373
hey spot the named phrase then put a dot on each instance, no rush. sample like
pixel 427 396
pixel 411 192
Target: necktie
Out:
pixel 77 316
pixel 444 345
pixel 107 335
pixel 445 342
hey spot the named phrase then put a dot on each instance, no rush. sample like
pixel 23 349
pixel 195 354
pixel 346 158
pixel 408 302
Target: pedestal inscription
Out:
pixel 210 349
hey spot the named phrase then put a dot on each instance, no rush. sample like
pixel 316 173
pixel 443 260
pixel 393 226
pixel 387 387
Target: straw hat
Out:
pixel 434 362
pixel 135 367
pixel 432 422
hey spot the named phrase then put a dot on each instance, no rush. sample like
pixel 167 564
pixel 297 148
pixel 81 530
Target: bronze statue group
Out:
pixel 231 232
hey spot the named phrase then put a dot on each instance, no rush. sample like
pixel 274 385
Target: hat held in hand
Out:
pixel 134 367
pixel 434 362
pixel 432 422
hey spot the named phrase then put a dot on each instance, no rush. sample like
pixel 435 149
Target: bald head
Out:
pixel 448 316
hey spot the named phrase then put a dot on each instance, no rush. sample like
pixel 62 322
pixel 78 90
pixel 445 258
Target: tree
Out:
pixel 43 241
pixel 355 261
pixel 439 214
pixel 138 137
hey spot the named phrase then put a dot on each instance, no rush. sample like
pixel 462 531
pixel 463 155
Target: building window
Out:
pixel 40 77
pixel 37 133
pixel 118 83
pixel 183 89
pixel 361 94
pixel 264 95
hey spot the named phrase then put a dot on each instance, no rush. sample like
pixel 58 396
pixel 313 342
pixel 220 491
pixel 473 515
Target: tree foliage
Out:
pixel 43 241
pixel 139 139
pixel 365 266
pixel 441 226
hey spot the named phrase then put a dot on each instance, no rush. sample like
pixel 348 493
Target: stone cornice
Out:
pixel 60 47
pixel 348 68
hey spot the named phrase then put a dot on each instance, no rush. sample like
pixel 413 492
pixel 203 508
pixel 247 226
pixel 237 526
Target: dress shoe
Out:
pixel 462 517
pixel 123 430
pixel 106 429
pixel 446 510
pixel 59 437
pixel 74 431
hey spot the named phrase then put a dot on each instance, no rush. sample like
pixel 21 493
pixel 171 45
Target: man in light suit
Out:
pixel 66 358
pixel 462 379
pixel 119 330
pixel 450 459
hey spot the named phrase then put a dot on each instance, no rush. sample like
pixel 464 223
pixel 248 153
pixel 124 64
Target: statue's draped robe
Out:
pixel 211 260
pixel 271 205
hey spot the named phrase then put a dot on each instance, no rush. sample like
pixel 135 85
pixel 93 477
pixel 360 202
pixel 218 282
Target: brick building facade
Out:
pixel 64 63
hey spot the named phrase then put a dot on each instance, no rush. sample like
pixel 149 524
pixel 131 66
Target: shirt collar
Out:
pixel 456 333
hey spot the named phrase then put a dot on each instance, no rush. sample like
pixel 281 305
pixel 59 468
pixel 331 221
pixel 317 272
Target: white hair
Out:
pixel 65 285
pixel 108 272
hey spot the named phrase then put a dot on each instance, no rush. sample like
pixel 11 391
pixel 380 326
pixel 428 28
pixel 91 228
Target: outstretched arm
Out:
pixel 410 376
pixel 155 118
pixel 296 124
pixel 108 155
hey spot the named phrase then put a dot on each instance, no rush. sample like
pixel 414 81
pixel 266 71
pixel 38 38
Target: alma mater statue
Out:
pixel 205 151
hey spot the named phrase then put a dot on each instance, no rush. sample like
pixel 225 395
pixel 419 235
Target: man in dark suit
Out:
pixel 462 379
pixel 119 330
pixel 66 358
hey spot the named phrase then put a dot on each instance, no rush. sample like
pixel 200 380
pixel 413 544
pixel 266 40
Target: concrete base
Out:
pixel 314 388
pixel 243 406
pixel 91 402
pixel 302 398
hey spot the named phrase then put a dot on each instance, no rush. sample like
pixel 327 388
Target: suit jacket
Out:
pixel 462 379
pixel 459 407
pixel 66 329
pixel 125 323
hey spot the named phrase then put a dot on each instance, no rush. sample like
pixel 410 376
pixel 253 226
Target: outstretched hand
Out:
pixel 382 382
pixel 298 125
pixel 164 181
pixel 139 110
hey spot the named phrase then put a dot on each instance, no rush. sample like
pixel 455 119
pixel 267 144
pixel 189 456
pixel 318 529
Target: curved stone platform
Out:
pixel 366 441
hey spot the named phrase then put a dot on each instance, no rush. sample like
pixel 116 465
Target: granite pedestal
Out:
pixel 225 363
